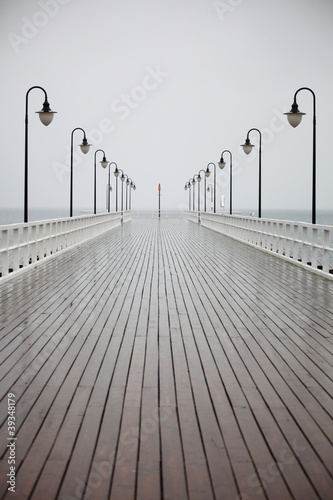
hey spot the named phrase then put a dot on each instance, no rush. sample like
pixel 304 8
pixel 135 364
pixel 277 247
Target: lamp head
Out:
pixel 85 146
pixel 221 163
pixel 199 178
pixel 247 147
pixel 46 114
pixel 294 116
pixel 207 173
pixel 104 162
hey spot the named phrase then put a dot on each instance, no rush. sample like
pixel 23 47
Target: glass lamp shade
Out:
pixel 207 173
pixel 221 164
pixel 122 178
pixel 185 187
pixel 85 147
pixel 294 117
pixel 46 114
pixel 199 178
pixel 116 172
pixel 247 147
pixel 104 162
pixel 193 182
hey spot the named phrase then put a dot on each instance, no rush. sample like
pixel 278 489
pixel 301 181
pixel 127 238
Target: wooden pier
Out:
pixel 161 360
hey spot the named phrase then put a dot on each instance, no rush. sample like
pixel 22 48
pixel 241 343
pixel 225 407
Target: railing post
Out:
pixel 33 244
pixel 314 247
pixel 16 249
pixel 5 253
pixel 326 253
pixel 304 244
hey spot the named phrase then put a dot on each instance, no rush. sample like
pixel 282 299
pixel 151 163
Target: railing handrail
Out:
pixel 23 244
pixel 308 245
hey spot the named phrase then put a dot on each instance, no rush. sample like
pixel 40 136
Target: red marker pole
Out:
pixel 159 200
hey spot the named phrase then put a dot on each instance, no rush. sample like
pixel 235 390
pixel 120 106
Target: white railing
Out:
pixel 308 245
pixel 154 214
pixel 23 244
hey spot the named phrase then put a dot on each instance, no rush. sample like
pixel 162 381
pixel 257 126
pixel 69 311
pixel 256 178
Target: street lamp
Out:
pixel 206 174
pixel 211 163
pixel 84 148
pixel 210 190
pixel 116 174
pixel 188 186
pixel 131 185
pixel 247 147
pixel 294 117
pixel 122 178
pixel 193 184
pixel 222 165
pixel 45 116
pixel 104 164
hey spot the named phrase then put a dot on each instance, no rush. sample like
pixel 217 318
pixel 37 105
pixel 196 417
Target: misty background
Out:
pixel 163 86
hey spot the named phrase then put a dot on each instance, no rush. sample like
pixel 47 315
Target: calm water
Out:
pixel 12 216
pixel 15 215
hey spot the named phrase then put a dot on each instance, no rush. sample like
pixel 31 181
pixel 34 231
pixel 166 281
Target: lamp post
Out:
pixel 122 178
pixel 45 116
pixel 128 189
pixel 294 117
pixel 132 186
pixel 247 147
pixel 104 164
pixel 211 163
pixel 108 190
pixel 193 184
pixel 207 174
pixel 188 186
pixel 84 148
pixel 210 190
pixel 116 174
pixel 222 165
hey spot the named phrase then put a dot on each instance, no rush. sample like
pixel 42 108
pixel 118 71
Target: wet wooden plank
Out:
pixel 165 361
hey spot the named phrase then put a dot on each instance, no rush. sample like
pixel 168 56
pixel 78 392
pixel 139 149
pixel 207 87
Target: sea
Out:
pixel 14 216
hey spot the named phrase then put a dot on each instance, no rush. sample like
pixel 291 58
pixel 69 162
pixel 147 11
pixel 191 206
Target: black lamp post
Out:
pixel 131 185
pixel 188 186
pixel 122 178
pixel 109 189
pixel 247 147
pixel 84 148
pixel 211 163
pixel 206 174
pixel 45 116
pixel 210 190
pixel 222 165
pixel 116 174
pixel 294 117
pixel 104 164
pixel 193 184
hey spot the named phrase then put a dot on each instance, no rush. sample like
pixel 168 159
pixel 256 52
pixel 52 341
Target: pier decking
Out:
pixel 162 360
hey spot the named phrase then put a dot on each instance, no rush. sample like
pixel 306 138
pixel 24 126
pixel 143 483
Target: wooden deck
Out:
pixel 164 361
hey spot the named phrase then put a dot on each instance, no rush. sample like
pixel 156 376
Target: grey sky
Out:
pixel 163 86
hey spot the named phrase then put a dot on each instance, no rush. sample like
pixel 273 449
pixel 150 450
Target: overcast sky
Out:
pixel 163 86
